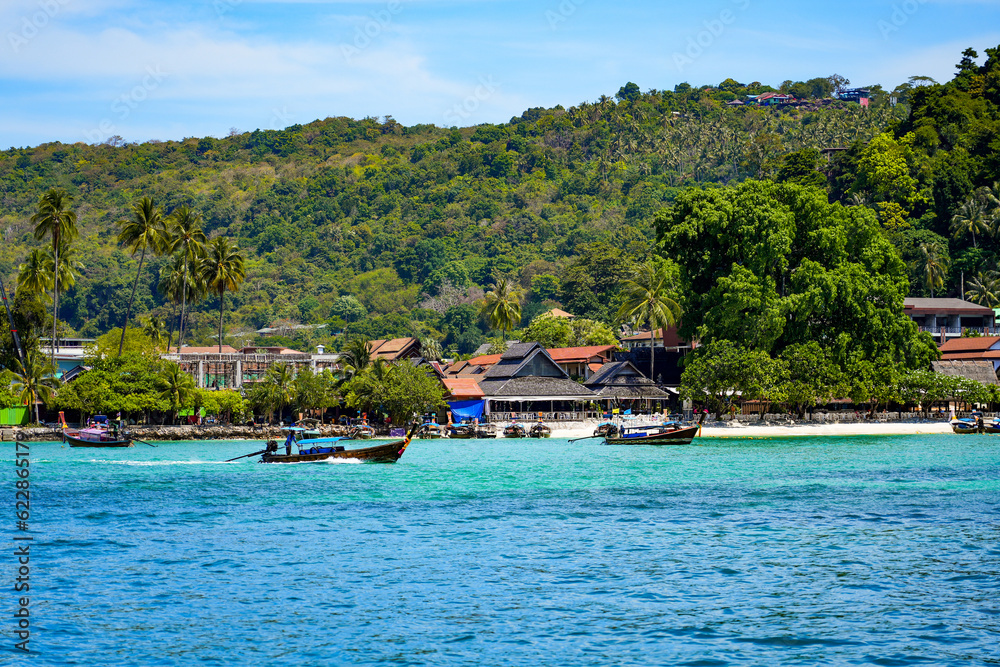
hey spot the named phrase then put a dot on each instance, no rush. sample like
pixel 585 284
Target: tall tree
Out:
pixel 35 275
pixel 222 270
pixel 186 237
pixel 971 217
pixel 35 381
pixel 357 355
pixel 502 305
pixel 984 289
pixel 154 329
pixel 646 298
pixel 145 230
pixel 175 386
pixel 54 218
pixel 932 266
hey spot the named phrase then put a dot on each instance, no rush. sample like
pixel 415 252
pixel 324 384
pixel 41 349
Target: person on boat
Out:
pixel 288 443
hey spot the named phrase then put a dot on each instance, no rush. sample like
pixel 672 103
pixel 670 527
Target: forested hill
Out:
pixel 345 218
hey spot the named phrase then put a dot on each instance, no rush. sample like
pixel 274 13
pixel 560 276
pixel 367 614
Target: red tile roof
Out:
pixel 969 344
pixel 993 355
pixel 485 360
pixel 567 354
pixel 463 388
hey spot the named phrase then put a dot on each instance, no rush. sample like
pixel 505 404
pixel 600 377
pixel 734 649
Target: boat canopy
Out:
pixel 467 409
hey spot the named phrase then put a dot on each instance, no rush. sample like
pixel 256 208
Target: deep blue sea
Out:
pixel 862 550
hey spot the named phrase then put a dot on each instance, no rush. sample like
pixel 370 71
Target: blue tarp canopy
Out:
pixel 467 410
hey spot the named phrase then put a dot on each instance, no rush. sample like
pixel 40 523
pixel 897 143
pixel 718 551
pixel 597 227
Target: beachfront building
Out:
pixel 69 353
pixel 526 381
pixel 621 384
pixel 232 368
pixel 395 349
pixel 578 362
pixel 946 319
pixel 976 348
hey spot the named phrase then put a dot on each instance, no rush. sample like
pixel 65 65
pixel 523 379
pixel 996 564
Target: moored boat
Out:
pixel 484 431
pixel 540 430
pixel 462 431
pixel 432 431
pixel 515 430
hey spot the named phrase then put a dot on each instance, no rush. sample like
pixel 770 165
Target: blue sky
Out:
pixel 81 70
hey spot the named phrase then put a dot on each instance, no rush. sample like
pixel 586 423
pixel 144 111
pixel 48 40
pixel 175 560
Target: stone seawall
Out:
pixel 165 433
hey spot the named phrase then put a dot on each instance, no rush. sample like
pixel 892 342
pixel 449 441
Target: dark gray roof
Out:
pixel 621 379
pixel 514 362
pixel 540 387
pixel 518 350
pixel 485 348
pixel 978 370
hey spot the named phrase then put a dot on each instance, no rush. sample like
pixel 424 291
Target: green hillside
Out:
pixel 380 229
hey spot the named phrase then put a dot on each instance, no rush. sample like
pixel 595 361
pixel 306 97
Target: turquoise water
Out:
pixel 760 552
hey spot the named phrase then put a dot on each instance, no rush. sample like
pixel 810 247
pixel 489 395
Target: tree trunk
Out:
pixel 173 318
pixel 222 307
pixel 128 312
pixel 55 300
pixel 184 292
pixel 652 349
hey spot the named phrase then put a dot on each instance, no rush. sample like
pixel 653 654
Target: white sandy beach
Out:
pixel 804 430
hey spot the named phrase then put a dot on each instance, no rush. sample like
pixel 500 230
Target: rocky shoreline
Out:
pixel 168 433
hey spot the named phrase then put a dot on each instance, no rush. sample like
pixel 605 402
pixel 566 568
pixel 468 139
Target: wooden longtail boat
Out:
pixel 97 433
pixel 462 432
pixel 515 430
pixel 540 430
pixel 668 434
pixel 484 431
pixel 325 449
pixel 86 437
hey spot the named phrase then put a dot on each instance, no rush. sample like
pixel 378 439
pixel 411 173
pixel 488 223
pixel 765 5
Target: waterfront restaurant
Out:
pixel 525 381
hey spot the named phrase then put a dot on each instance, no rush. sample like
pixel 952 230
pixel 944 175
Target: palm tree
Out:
pixel 35 275
pixel 430 349
pixel 932 266
pixel 186 235
pixel 502 305
pixel 280 380
pixel 984 289
pixel 222 270
pixel 154 329
pixel 647 299
pixel 53 218
pixel 145 230
pixel 35 381
pixel 175 387
pixel 971 217
pixel 357 355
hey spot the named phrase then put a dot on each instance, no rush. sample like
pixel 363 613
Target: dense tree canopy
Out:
pixel 768 265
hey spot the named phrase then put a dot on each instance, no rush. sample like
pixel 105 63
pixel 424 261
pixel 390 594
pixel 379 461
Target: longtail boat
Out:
pixel 667 434
pixel 97 434
pixel 515 430
pixel 540 430
pixel 316 450
pixel 462 431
